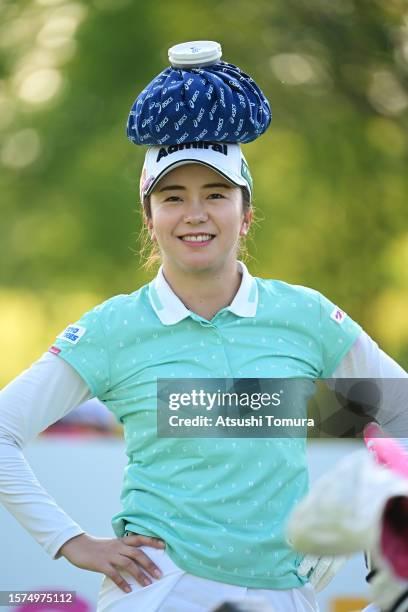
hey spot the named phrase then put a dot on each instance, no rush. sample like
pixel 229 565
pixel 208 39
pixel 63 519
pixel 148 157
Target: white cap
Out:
pixel 225 158
pixel 195 53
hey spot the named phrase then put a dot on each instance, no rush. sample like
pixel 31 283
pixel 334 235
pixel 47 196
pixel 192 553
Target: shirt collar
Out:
pixel 170 309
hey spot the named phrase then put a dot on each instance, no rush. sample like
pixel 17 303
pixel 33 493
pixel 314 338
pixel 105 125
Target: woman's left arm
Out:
pixel 366 360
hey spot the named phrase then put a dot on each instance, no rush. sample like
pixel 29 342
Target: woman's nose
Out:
pixel 196 212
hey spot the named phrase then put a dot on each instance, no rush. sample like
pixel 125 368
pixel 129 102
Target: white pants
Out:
pixel 178 591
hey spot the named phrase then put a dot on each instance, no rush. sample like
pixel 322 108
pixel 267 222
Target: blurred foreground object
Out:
pixel 253 604
pixel 360 505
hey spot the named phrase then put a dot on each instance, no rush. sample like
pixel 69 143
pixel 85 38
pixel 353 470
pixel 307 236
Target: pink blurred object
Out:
pixel 394 535
pixel 386 450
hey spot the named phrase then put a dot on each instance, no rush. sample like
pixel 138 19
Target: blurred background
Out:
pixel 330 174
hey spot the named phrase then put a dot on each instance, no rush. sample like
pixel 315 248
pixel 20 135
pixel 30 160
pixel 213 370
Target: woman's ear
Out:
pixel 246 222
pixel 149 224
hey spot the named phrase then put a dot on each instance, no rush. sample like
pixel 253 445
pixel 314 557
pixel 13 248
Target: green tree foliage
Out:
pixel 330 174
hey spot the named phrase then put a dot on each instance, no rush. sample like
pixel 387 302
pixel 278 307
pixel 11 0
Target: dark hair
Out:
pixel 149 252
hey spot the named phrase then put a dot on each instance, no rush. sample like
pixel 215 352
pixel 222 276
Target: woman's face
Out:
pixel 196 218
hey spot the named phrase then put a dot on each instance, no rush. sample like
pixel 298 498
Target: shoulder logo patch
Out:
pixel 338 315
pixel 73 333
pixel 54 349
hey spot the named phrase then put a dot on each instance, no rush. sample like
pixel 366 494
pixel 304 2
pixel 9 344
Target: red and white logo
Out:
pixel 54 349
pixel 338 315
pixel 145 182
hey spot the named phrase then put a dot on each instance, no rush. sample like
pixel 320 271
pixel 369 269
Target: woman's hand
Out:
pixel 110 555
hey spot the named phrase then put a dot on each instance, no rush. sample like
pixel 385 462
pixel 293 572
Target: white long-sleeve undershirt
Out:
pixel 40 396
pixel 51 388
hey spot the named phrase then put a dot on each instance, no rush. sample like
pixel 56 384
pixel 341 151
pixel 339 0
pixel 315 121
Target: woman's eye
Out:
pixel 216 196
pixel 172 199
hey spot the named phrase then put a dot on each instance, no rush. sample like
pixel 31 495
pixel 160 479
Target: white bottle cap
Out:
pixel 195 54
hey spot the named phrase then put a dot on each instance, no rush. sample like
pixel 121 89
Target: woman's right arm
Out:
pixel 40 396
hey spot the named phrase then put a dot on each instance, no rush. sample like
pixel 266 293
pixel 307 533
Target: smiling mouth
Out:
pixel 197 238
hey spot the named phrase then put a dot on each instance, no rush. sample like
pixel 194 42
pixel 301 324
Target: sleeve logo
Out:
pixel 338 315
pixel 72 334
pixel 54 349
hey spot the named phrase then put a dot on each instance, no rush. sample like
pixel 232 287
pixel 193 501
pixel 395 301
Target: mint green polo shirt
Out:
pixel 220 504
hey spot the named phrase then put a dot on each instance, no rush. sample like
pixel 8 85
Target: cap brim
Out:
pixel 232 178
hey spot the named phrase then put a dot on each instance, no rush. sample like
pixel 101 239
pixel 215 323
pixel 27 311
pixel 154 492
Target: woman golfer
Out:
pixel 202 520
